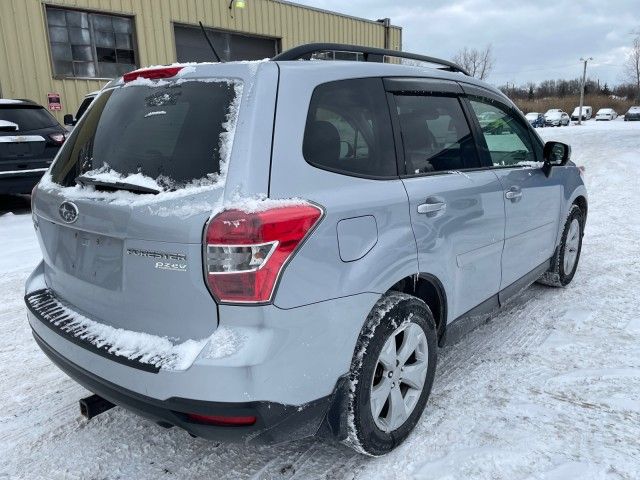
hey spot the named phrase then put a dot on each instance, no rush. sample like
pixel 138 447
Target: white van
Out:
pixel 586 113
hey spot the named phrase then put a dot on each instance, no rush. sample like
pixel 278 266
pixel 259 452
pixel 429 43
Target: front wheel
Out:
pixel 391 373
pixel 565 261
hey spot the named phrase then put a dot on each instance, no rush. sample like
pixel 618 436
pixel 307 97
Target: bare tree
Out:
pixel 632 66
pixel 478 63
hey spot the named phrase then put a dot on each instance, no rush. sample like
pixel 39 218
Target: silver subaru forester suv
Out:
pixel 263 251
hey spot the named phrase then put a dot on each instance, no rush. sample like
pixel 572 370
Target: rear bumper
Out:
pixel 288 369
pixel 275 422
pixel 17 181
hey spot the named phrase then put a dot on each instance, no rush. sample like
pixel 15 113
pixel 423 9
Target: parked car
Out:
pixel 606 114
pixel 535 119
pixel 264 281
pixel 29 139
pixel 586 113
pixel 556 119
pixel 632 114
pixel 70 120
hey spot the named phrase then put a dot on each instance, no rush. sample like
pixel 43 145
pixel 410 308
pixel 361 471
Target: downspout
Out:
pixel 386 23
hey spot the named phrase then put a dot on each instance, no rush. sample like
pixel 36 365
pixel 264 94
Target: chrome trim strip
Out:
pixel 32 170
pixel 21 139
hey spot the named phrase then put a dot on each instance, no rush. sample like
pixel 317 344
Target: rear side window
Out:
pixel 348 129
pixel 173 133
pixel 83 107
pixel 435 134
pixel 27 117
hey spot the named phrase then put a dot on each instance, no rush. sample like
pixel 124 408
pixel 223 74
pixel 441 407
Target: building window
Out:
pixel 90 45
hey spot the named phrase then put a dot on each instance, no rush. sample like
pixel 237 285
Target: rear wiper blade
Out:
pixel 116 185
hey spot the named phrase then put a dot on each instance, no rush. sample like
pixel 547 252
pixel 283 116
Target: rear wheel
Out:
pixel 565 261
pixel 391 374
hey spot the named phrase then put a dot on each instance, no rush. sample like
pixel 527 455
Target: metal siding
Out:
pixel 25 60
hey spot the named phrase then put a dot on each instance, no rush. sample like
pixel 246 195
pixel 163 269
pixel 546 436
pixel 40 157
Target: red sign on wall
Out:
pixel 54 101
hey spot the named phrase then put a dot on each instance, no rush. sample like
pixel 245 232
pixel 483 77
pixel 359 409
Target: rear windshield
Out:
pixel 172 132
pixel 27 117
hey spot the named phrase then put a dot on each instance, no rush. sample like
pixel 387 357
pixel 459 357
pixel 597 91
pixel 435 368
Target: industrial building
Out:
pixel 54 52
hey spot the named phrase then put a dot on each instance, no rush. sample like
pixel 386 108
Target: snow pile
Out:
pixel 224 342
pixel 142 347
pixel 260 203
pixel 108 175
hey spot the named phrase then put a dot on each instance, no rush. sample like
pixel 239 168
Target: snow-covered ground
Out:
pixel 549 389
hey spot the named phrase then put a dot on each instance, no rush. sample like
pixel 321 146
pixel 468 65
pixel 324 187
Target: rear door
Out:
pixel 456 206
pixel 532 200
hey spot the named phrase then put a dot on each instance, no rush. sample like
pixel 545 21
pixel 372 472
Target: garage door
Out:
pixel 191 46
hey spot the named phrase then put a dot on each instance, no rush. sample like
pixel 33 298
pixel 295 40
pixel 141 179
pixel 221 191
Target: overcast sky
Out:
pixel 532 40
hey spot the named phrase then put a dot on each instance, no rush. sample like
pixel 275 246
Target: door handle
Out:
pixel 514 194
pixel 431 207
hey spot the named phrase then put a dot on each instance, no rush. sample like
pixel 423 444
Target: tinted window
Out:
pixel 171 133
pixel 27 118
pixel 348 129
pixel 507 138
pixel 83 107
pixel 435 134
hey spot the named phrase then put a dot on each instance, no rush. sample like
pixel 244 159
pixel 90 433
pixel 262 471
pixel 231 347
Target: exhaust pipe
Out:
pixel 93 406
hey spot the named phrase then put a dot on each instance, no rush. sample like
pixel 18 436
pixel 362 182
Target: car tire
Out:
pixel 399 335
pixel 565 260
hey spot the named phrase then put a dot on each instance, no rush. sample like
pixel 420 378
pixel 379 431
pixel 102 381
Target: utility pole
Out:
pixel 584 79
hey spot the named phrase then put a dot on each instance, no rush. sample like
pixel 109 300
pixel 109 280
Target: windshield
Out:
pixel 171 132
pixel 554 115
pixel 27 117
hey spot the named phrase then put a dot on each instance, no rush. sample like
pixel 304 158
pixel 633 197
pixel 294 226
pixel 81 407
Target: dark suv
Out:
pixel 30 137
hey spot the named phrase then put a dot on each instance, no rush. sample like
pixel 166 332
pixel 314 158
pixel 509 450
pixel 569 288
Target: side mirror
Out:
pixel 68 120
pixel 556 153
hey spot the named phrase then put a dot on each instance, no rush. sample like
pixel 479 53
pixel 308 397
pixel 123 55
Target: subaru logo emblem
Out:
pixel 68 212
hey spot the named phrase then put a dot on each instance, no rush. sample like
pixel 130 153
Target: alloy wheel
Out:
pixel 399 377
pixel 571 246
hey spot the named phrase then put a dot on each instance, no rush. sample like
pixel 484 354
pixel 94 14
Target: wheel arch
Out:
pixel 428 288
pixel 581 202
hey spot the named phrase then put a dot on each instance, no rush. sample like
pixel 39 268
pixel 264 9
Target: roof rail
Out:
pixel 371 54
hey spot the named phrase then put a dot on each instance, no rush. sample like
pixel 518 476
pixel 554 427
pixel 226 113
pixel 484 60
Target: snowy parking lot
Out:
pixel 548 389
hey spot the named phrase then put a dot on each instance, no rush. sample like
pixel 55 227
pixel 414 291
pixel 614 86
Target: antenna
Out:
pixel 204 32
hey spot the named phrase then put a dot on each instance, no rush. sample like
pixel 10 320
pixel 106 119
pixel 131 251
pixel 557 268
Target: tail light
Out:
pixel 152 73
pixel 58 138
pixel 245 253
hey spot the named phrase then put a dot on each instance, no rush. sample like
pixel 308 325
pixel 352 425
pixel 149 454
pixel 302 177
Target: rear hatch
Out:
pixel 121 212
pixel 29 137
